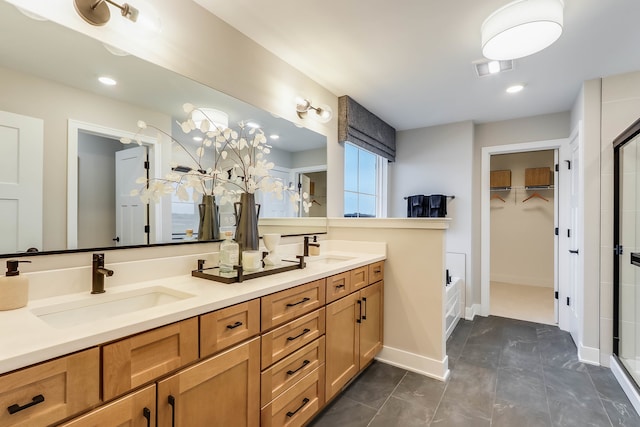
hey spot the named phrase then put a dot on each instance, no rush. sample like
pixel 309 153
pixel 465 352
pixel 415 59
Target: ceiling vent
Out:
pixel 486 67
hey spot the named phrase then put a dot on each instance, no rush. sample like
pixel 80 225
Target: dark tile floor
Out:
pixel 504 372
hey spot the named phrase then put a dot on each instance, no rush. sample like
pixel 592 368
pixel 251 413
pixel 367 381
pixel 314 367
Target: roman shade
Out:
pixel 361 127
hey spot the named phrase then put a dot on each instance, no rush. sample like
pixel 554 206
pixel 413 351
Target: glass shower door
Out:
pixel 627 268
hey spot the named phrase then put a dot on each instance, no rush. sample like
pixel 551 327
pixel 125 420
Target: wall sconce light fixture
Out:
pixel 322 112
pixel 96 12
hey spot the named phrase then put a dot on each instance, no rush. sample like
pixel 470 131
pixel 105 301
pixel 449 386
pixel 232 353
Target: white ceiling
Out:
pixel 410 61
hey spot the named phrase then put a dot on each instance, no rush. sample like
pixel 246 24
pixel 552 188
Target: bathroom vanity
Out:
pixel 270 351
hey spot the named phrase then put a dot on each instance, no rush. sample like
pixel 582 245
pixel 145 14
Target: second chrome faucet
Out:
pixel 98 273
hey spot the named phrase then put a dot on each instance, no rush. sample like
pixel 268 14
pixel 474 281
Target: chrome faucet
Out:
pixel 97 281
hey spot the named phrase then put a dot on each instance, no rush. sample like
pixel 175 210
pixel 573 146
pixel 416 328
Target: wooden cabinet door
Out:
pixel 43 394
pixel 342 343
pixel 359 277
pixel 137 409
pixel 372 322
pixel 134 361
pixel 338 286
pixel 376 272
pixel 226 327
pixel 223 390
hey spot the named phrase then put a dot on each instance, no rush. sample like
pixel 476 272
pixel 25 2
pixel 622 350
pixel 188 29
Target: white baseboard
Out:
pixel 438 369
pixel 470 312
pixel 626 384
pixel 590 355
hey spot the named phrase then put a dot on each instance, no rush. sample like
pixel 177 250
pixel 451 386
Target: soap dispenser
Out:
pixel 14 288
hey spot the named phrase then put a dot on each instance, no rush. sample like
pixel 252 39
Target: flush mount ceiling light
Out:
pixel 322 112
pixel 522 28
pixel 96 12
pixel 217 119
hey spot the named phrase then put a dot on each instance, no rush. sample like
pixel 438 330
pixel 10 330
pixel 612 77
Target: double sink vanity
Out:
pixel 181 350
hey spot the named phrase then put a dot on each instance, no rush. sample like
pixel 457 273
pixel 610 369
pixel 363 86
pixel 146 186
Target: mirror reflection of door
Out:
pixel 131 213
pixel 21 154
pixel 97 205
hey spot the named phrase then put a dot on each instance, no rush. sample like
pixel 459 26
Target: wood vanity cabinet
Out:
pixel 134 361
pixel 137 409
pixel 353 335
pixel 223 328
pixel 223 390
pixel 44 394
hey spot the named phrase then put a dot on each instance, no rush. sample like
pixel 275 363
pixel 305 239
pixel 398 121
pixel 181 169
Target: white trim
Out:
pixel 471 312
pixel 400 223
pixel 485 213
pixel 590 355
pixel 73 127
pixel 438 369
pixel 626 384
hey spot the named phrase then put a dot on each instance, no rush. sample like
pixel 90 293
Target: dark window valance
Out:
pixel 361 127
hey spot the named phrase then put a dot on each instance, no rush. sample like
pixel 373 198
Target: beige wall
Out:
pixel 522 233
pixel 413 289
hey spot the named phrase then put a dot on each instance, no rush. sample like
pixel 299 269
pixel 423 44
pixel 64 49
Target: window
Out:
pixel 364 183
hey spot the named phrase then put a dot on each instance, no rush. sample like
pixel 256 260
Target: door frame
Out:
pixel 560 256
pixel 73 128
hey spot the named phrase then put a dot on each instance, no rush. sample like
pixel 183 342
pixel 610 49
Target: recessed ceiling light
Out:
pixel 253 125
pixel 274 136
pixel 108 81
pixel 515 88
pixel 494 67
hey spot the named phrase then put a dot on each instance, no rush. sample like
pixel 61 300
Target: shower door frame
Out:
pixel 626 136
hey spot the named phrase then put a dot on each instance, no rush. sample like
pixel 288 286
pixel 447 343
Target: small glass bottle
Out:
pixel 229 253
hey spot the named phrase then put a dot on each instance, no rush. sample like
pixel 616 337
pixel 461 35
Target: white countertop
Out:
pixel 26 339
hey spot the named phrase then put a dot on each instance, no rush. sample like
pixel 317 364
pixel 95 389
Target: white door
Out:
pixel 131 212
pixel 570 298
pixel 21 154
pixel 305 188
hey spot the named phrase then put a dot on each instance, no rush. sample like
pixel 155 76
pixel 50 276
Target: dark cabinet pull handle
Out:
pixel 573 251
pixel 17 408
pixel 340 286
pixel 377 271
pixel 117 239
pixel 305 363
pixel 298 336
pixel 304 402
pixel 146 412
pixel 364 316
pixel 172 402
pixel 235 325
pixel 359 319
pixel 292 304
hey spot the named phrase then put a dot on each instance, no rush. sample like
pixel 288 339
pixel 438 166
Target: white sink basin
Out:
pixel 103 306
pixel 331 259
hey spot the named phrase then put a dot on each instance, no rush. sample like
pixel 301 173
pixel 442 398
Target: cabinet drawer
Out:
pixel 134 361
pixel 137 409
pixel 359 277
pixel 291 369
pixel 223 328
pixel 338 286
pixel 297 405
pixel 376 271
pixel 50 391
pixel 286 305
pixel 286 339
